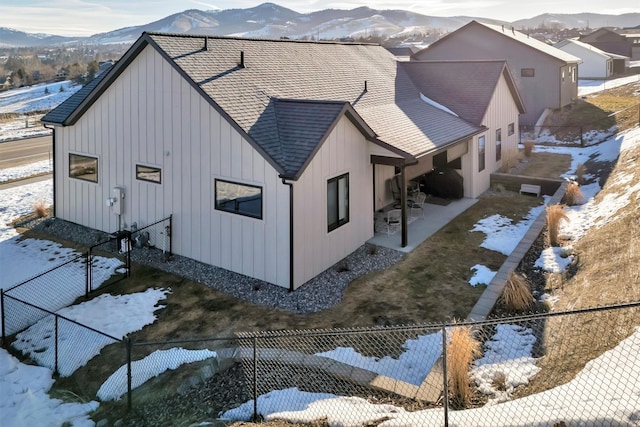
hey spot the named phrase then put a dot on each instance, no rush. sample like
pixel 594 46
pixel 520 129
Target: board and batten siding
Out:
pixel 502 111
pixel 315 248
pixel 150 115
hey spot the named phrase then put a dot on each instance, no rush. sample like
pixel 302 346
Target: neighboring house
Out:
pixel 546 77
pixel 622 43
pixel 271 155
pixel 596 63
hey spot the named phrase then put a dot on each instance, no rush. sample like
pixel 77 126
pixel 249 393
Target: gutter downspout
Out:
pixel 53 146
pixel 290 184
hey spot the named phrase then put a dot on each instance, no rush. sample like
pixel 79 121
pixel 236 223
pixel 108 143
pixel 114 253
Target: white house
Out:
pixel 271 155
pixel 596 63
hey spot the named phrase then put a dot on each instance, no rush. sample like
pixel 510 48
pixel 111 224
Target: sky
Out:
pixel 25 399
pixel 88 17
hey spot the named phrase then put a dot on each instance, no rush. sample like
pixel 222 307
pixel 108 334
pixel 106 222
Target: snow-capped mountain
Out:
pixel 269 20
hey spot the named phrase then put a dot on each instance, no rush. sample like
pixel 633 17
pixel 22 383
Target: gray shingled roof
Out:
pixel 465 87
pixel 62 112
pixel 517 36
pixel 390 111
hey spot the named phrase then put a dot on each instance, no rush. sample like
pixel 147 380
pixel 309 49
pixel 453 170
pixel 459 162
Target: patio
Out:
pixel 419 228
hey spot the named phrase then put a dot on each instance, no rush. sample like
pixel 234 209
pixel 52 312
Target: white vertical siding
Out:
pixel 315 249
pixel 501 112
pixel 150 115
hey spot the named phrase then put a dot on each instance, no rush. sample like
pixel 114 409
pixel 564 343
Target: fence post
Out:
pixel 56 371
pixel 4 331
pixel 169 232
pixel 255 379
pixel 581 138
pixel 445 382
pixel 127 342
pixel 87 287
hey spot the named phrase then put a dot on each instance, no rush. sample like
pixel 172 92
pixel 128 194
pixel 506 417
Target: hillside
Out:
pixel 270 20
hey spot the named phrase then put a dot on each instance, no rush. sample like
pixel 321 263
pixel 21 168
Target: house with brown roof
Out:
pixel 271 155
pixel 546 77
pixel 621 42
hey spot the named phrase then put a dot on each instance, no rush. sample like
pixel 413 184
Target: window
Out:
pixel 337 202
pixel 241 199
pixel 562 75
pixel 83 167
pixel 148 173
pixel 480 153
pixel 528 72
pixel 574 73
pixel 511 129
pixel 498 144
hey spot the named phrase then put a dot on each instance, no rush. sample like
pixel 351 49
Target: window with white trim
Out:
pixel 481 153
pixel 498 144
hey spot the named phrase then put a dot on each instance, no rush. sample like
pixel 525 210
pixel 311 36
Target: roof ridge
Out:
pixel 257 39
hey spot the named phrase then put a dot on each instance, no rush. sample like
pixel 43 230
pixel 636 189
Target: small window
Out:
pixel 511 129
pixel 528 72
pixel 241 199
pixel 337 202
pixel 498 144
pixel 83 167
pixel 148 173
pixel 481 149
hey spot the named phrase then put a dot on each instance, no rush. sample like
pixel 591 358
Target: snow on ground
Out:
pixel 104 313
pixel 40 97
pixel 18 201
pixel 587 87
pixel 19 172
pixel 412 366
pixel 151 366
pixel 482 275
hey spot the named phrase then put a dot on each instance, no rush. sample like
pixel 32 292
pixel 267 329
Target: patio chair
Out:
pixel 393 220
pixel 417 204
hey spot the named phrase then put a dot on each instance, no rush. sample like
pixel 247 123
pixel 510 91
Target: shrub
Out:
pixel 528 148
pixel 516 295
pixel 573 195
pixel 462 349
pixel 555 215
pixel 40 209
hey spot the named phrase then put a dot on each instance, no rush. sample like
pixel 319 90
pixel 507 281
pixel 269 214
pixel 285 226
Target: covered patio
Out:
pixel 419 228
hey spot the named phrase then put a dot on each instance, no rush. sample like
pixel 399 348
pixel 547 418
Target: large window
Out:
pixel 83 167
pixel 498 144
pixel 511 129
pixel 481 150
pixel 238 198
pixel 148 173
pixel 337 201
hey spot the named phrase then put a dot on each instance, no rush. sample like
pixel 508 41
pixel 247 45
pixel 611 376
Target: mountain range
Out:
pixel 269 20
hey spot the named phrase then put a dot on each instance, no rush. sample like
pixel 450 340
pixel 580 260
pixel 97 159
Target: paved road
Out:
pixel 25 151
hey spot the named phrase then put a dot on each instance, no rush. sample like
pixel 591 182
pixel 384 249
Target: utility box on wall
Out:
pixel 117 200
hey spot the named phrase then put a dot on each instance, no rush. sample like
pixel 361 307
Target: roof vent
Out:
pixel 206 43
pixel 365 85
pixel 241 64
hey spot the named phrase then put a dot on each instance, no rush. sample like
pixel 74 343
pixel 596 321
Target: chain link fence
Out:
pixel 533 370
pixel 583 134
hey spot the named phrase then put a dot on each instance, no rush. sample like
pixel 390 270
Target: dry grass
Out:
pixel 516 295
pixel 546 165
pixel 462 349
pixel 573 195
pixel 40 209
pixel 528 148
pixel 555 216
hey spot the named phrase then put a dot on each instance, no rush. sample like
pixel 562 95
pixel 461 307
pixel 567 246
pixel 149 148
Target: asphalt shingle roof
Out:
pixel 260 97
pixel 465 87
